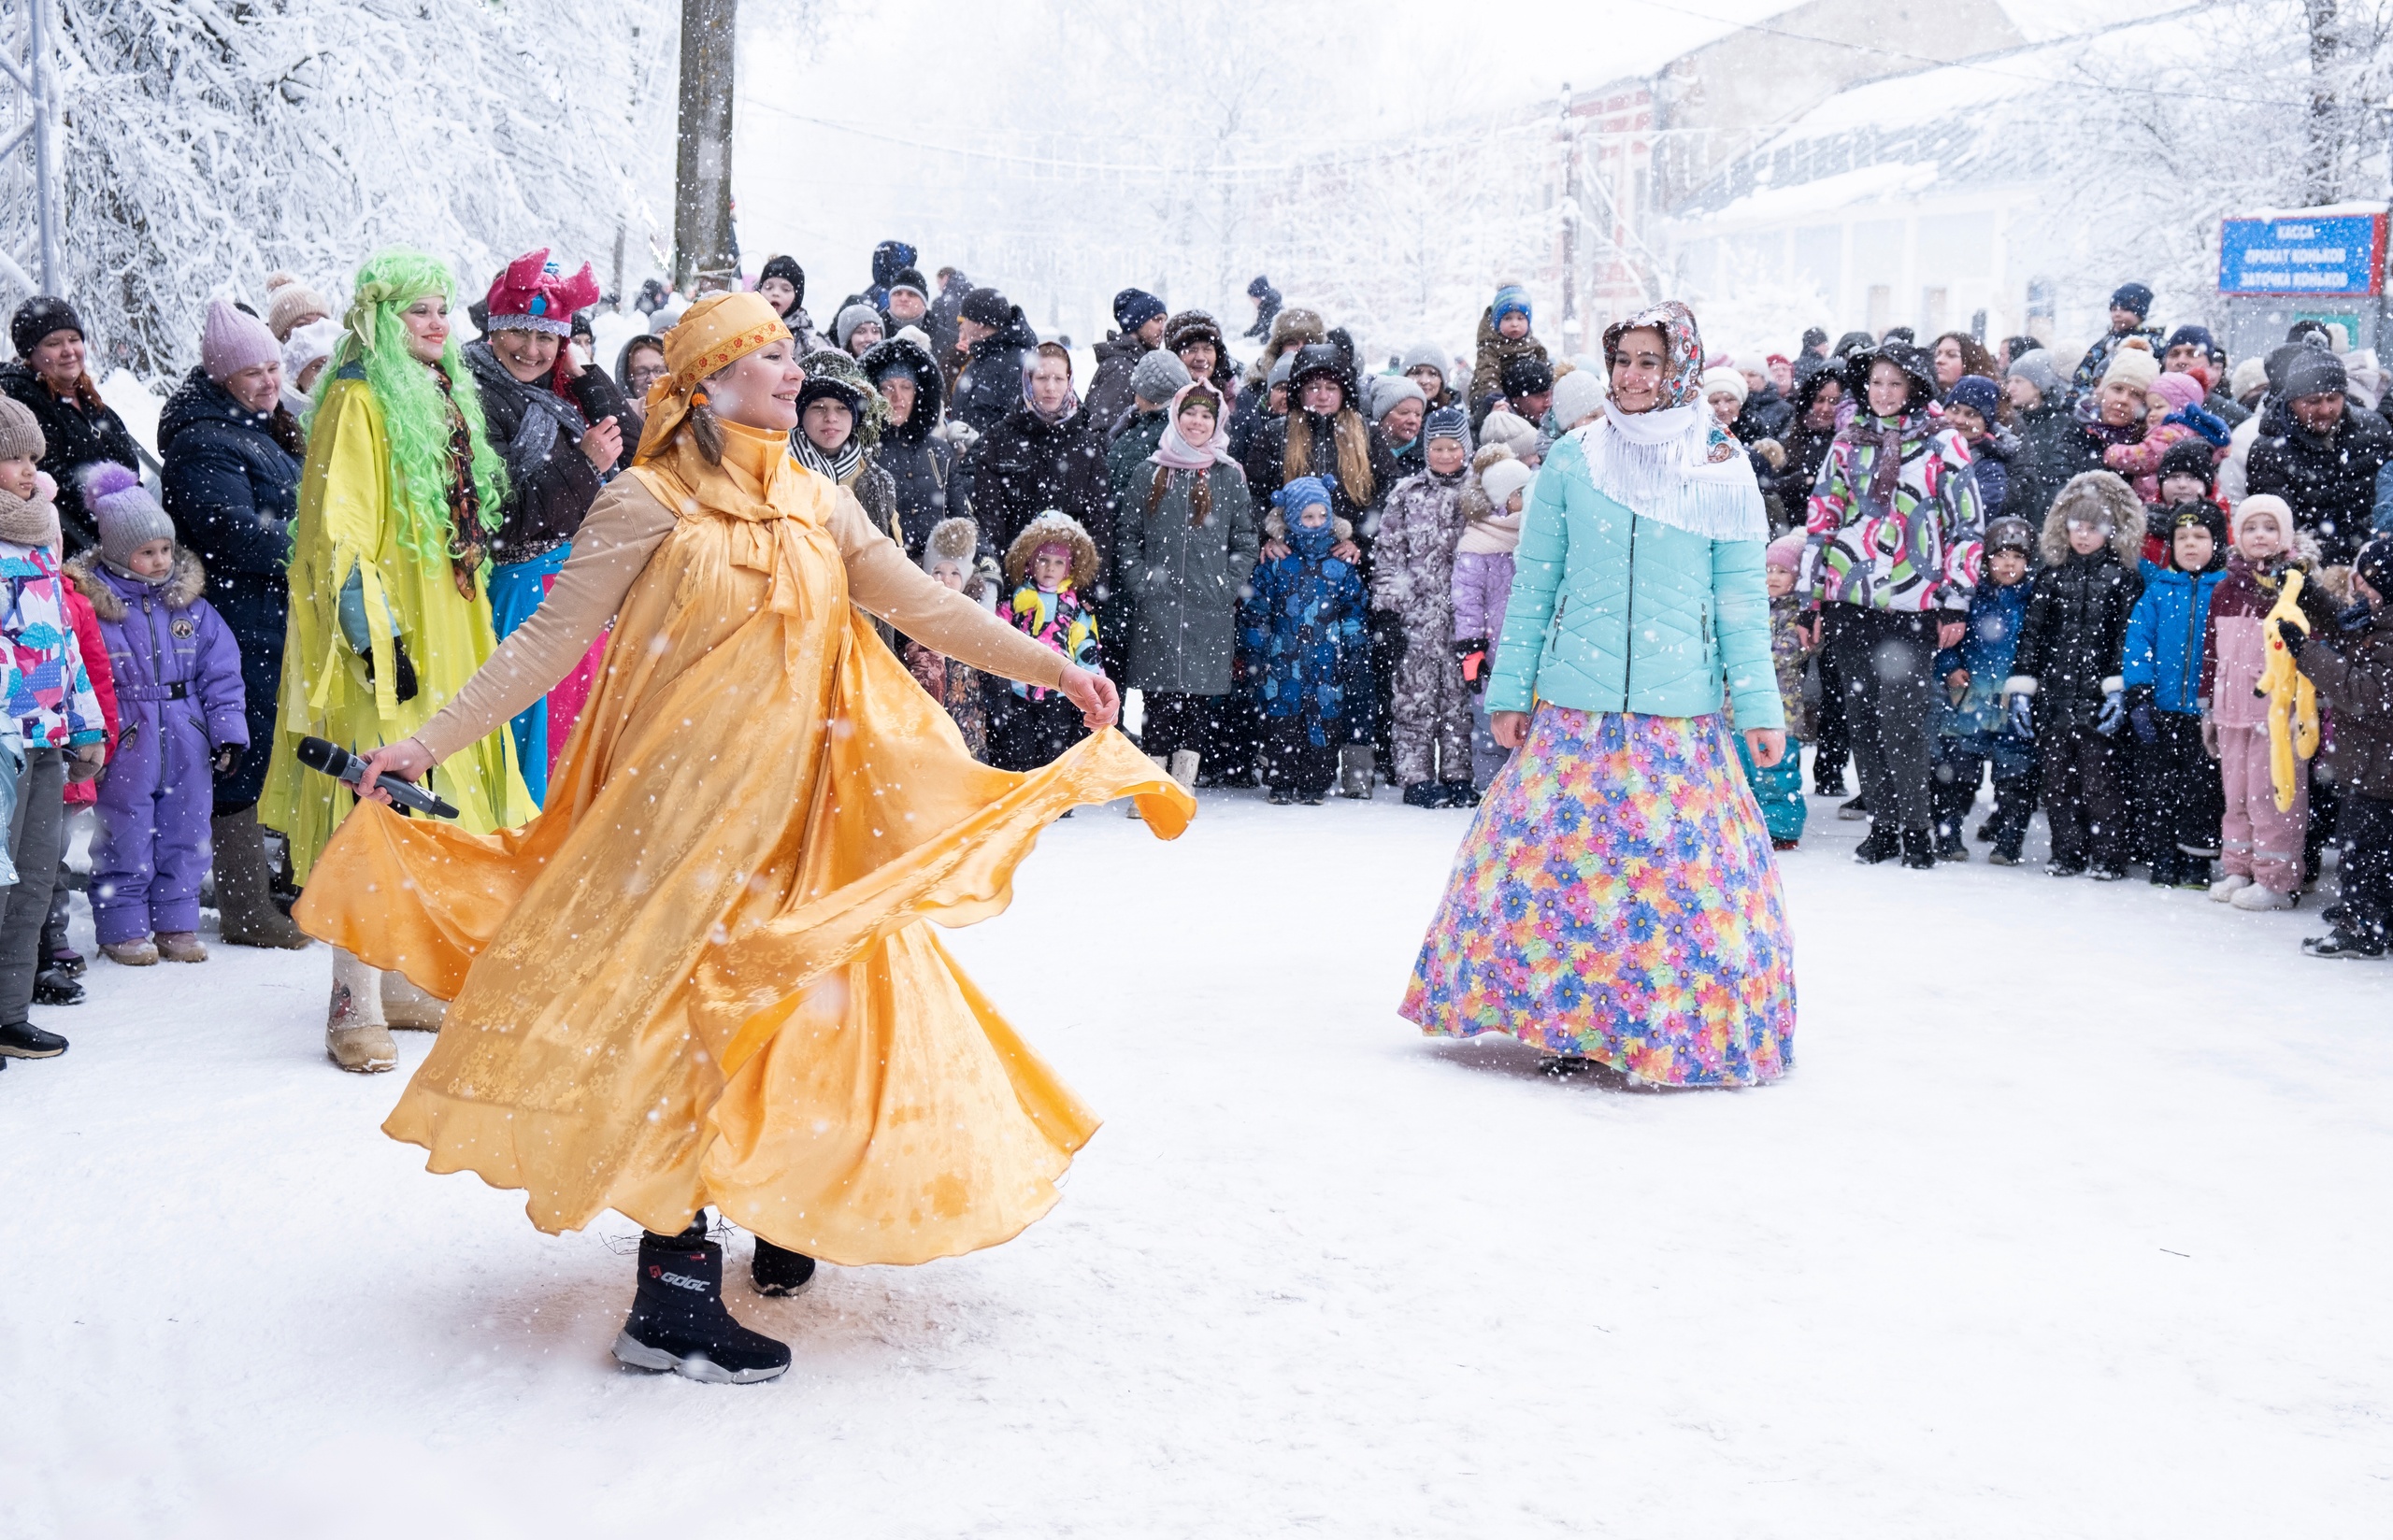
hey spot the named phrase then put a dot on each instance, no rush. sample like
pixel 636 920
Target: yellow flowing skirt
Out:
pixel 704 974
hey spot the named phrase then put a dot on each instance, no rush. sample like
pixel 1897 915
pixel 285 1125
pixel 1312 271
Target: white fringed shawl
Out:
pixel 1659 463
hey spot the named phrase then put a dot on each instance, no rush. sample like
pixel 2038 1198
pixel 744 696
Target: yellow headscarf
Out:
pixel 717 330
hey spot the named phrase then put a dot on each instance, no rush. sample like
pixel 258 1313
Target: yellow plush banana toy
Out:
pixel 2293 701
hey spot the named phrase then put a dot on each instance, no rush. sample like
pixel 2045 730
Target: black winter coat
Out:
pixel 927 476
pixel 75 438
pixel 1109 389
pixel 545 507
pixel 1026 465
pixel 2075 636
pixel 930 485
pixel 2053 447
pixel 1267 456
pixel 1766 414
pixel 990 386
pixel 2330 482
pixel 232 488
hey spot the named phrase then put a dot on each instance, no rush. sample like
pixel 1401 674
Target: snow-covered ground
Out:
pixel 2072 1220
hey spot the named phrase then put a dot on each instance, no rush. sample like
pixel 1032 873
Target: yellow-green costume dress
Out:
pixel 347 516
pixel 705 973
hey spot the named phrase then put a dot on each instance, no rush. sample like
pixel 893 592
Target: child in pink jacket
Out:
pixel 2261 853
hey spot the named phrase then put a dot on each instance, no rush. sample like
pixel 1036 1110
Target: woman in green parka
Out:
pixel 1616 904
pixel 1184 542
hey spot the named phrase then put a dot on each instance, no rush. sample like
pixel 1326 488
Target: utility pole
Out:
pixel 1569 227
pixel 702 168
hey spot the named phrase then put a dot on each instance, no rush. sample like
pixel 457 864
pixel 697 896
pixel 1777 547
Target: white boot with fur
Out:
pixel 1184 769
pixel 356 1036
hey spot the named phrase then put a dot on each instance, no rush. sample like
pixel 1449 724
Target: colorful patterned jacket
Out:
pixel 1914 551
pixel 48 693
pixel 1058 621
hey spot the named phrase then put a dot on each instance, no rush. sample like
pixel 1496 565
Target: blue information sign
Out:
pixel 2338 254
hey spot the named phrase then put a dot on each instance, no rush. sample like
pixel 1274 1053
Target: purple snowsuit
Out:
pixel 1483 586
pixel 179 696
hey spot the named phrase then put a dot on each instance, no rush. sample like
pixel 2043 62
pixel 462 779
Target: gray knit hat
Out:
pixel 1158 376
pixel 1388 390
pixel 129 518
pixel 20 436
pixel 2035 367
pixel 1279 375
pixel 2313 373
pixel 844 325
pixel 1423 355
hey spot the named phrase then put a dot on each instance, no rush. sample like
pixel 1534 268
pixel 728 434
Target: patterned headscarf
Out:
pixel 1683 381
pixel 717 330
pixel 1671 463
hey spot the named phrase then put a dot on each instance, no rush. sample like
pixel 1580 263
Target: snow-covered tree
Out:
pixel 207 142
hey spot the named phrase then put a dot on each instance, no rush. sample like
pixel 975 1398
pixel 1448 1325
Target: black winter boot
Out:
pixel 1423 794
pixel 779 1273
pixel 1458 793
pixel 677 1319
pixel 1883 844
pixel 1919 850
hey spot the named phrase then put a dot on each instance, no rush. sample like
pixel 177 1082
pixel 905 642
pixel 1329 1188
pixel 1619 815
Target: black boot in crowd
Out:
pixel 1883 844
pixel 1919 850
pixel 678 1322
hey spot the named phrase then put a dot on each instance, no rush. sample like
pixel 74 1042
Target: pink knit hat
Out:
pixel 1786 551
pixel 2179 390
pixel 233 340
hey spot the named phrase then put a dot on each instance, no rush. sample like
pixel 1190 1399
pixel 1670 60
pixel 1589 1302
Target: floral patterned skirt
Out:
pixel 1616 899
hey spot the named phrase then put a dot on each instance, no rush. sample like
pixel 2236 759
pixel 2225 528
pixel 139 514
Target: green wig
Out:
pixel 415 419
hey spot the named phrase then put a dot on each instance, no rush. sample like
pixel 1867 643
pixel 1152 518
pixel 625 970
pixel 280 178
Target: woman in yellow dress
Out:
pixel 389 614
pixel 703 974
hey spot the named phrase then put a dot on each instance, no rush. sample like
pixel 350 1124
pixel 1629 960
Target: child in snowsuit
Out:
pixel 1051 564
pixel 1779 790
pixel 2352 665
pixel 1504 336
pixel 185 724
pixel 947 555
pixel 1309 647
pixel 1974 729
pixel 59 720
pixel 1413 579
pixel 2177 797
pixel 1483 586
pixel 2260 848
pixel 2065 687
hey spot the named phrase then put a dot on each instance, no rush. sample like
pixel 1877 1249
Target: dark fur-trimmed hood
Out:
pixel 184 585
pixel 2095 495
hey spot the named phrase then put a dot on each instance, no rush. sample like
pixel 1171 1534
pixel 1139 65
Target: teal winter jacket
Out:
pixel 1611 611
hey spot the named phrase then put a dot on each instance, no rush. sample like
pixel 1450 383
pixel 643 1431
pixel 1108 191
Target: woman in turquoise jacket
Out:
pixel 1615 902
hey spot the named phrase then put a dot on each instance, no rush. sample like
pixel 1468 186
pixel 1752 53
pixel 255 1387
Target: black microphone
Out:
pixel 348 769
